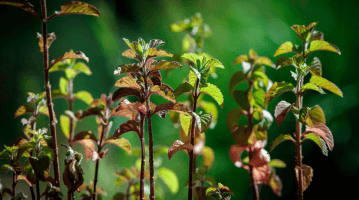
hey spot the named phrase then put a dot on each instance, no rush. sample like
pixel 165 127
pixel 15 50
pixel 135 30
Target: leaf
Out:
pixel 127 126
pixel 165 65
pixel 123 69
pixel 319 141
pixel 191 56
pixel 303 113
pixel 214 92
pixel 304 32
pixel 41 166
pixel 281 111
pixel 307 175
pixel 65 125
pixel 169 178
pixel 277 163
pixel 50 38
pixel 92 111
pixel 69 55
pixel 236 79
pixel 276 184
pixel 85 135
pixel 84 96
pixel 317 45
pixel 129 82
pixel 63 86
pixel 122 143
pixel 233 118
pixel 315 115
pixel 23 4
pixel 214 63
pixel 57 94
pixel 242 98
pixel 23 177
pixel 82 67
pixel 286 47
pixel 163 92
pixel 240 59
pixel 177 146
pixel 264 61
pixel 177 107
pixel 153 52
pixel 77 7
pixel 208 157
pixel 206 120
pixel 323 131
pixel 49 153
pixel 312 86
pixel 324 83
pixel 316 67
pixel 284 61
pixel 277 89
pixel 5 168
pixel 183 88
pixel 280 139
pixel 124 92
pixel 23 110
pixel 210 107
pixel 89 147
pixel 235 152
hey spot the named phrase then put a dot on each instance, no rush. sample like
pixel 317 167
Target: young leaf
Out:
pixel 277 89
pixel 163 92
pixel 319 141
pixel 281 111
pixel 323 131
pixel 240 59
pixel 286 47
pixel 214 63
pixel 233 118
pixel 206 120
pixel 316 67
pixel 69 55
pixel 304 32
pixel 169 178
pixel 127 126
pixel 277 163
pixel 324 83
pixel 192 57
pixel 317 45
pixel 210 107
pixel 315 115
pixel 312 86
pixel 84 96
pixel 183 88
pixel 280 139
pixel 122 143
pixel 153 52
pixel 307 175
pixel 24 109
pixel 214 92
pixel 82 67
pixel 177 146
pixel 124 92
pixel 77 7
pixel 50 38
pixel 236 79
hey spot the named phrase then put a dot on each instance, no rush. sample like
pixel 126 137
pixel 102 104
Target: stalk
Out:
pixel 128 191
pixel 38 189
pixel 104 127
pixel 49 103
pixel 13 183
pixel 70 102
pixel 191 155
pixel 143 156
pixel 298 143
pixel 32 193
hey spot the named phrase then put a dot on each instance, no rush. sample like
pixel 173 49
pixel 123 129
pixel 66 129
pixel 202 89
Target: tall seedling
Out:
pixel 312 117
pixel 252 136
pixel 142 81
pixel 73 7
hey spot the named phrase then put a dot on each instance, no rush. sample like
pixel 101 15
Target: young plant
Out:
pixel 313 117
pixel 142 81
pixel 252 136
pixel 73 7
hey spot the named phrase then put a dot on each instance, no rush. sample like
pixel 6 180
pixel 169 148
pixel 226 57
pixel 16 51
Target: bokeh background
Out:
pixel 237 26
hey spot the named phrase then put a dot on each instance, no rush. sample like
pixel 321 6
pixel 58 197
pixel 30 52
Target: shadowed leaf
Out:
pixel 276 184
pixel 281 111
pixel 169 178
pixel 323 131
pixel 277 89
pixel 324 83
pixel 23 4
pixel 242 98
pixel 177 107
pixel 92 111
pixel 286 47
pixel 70 55
pixel 127 126
pixel 233 118
pixel 236 79
pixel 85 135
pixel 89 147
pixel 177 146
pixel 50 38
pixel 284 61
pixel 208 157
pixel 214 92
pixel 319 141
pixel 41 166
pixel 307 175
pixel 24 109
pixel 183 88
pixel 165 65
pixel 280 139
pixel 123 69
pixel 317 45
pixel 122 143
pixel 77 7
pixel 315 115
pixel 123 92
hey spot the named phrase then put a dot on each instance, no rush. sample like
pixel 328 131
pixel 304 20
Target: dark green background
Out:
pixel 237 26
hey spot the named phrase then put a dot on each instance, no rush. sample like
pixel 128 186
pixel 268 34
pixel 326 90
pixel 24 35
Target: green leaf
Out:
pixel 169 178
pixel 303 114
pixel 315 115
pixel 63 86
pixel 261 76
pixel 69 55
pixel 281 111
pixel 123 69
pixel 242 98
pixel 57 94
pixel 153 52
pixel 233 118
pixel 286 47
pixel 316 67
pixel 319 141
pixel 312 86
pixel 163 92
pixel 307 175
pixel 210 107
pixel 259 96
pixel 236 79
pixel 77 7
pixel 214 63
pixel 82 67
pixel 65 125
pixel 208 157
pixel 84 96
pixel 324 83
pixel 177 146
pixel 204 75
pixel 211 190
pixel 303 32
pixel 191 56
pixel 5 168
pixel 280 139
pixel 165 65
pixel 49 153
pixel 214 92
pixel 23 110
pixel 277 89
pixel 277 163
pixel 187 43
pixel 317 45
pixel 323 131
pixel 206 120
pixel 240 59
pixel 183 88
pixel 122 143
pixel 264 61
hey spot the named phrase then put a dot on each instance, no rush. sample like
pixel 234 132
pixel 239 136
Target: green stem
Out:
pixel 49 103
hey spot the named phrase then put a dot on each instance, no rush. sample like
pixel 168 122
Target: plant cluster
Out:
pixel 142 79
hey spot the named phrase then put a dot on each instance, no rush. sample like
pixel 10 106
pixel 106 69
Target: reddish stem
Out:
pixel 143 156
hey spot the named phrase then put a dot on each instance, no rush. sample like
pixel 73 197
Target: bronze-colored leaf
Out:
pixel 177 146
pixel 165 65
pixel 324 132
pixel 85 135
pixel 164 92
pixel 89 147
pixel 153 52
pixel 23 4
pixel 128 81
pixel 24 109
pixel 281 111
pixel 127 126
pixel 123 92
pixel 77 7
pixel 307 175
pixel 70 55
pixel 50 38
pixel 122 143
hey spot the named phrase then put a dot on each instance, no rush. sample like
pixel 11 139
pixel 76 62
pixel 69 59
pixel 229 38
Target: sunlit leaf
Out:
pixel 153 52
pixel 307 175
pixel 206 120
pixel 122 143
pixel 277 89
pixel 82 67
pixel 210 107
pixel 5 168
pixel 89 147
pixel 163 92
pixel 214 92
pixel 304 32
pixel 264 61
pixel 286 47
pixel 324 132
pixel 214 63
pixel 127 126
pixel 191 56
pixel 165 65
pixel 319 141
pixel 169 178
pixel 77 7
pixel 281 138
pixel 317 45
pixel 312 86
pixel 208 157
pixel 235 152
pixel 315 115
pixel 277 163
pixel 281 111
pixel 177 107
pixel 324 83
pixel 177 146
pixel 129 82
pixel 50 38
pixel 70 55
pixel 316 67
pixel 235 80
pixel 24 109
pixel 65 125
pixel 240 59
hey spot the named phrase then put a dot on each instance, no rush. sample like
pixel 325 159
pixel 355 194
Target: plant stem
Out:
pixel 13 183
pixel 104 127
pixel 70 101
pixel 191 155
pixel 254 186
pixel 38 189
pixel 69 196
pixel 49 103
pixel 298 143
pixel 32 193
pixel 128 191
pixel 143 156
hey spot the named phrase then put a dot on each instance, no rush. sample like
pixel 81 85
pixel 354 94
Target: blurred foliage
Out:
pixel 236 27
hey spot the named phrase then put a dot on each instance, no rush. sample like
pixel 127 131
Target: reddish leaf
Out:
pixel 177 146
pixel 70 55
pixel 129 53
pixel 85 135
pixel 323 131
pixel 123 69
pixel 23 4
pixel 307 175
pixel 164 92
pixel 92 111
pixel 129 125
pixel 123 92
pixel 23 177
pixel 24 109
pixel 50 38
pixel 281 111
pixel 128 82
pixel 128 113
pixel 88 145
pixel 125 105
pixel 276 184
pixel 235 152
pixel 77 7
pixel 177 107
